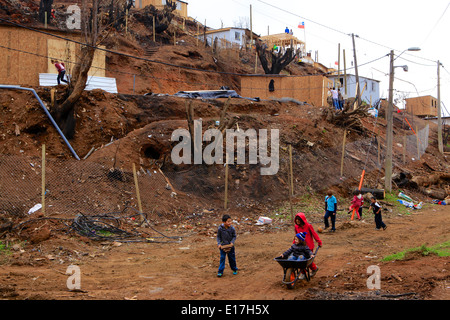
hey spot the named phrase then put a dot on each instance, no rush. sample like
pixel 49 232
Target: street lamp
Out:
pixel 389 118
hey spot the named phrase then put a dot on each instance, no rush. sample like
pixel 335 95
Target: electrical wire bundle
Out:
pixel 110 227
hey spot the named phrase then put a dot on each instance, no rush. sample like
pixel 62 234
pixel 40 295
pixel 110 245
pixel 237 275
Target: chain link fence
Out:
pixel 87 188
pixel 75 187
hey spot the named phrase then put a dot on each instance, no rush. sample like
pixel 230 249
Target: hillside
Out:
pixel 182 204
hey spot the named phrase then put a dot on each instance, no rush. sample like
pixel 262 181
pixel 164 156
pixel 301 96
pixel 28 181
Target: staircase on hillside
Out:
pixel 150 51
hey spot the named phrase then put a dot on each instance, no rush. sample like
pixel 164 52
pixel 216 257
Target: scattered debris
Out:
pixel 263 220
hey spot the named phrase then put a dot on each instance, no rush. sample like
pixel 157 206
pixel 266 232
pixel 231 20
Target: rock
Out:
pixel 41 235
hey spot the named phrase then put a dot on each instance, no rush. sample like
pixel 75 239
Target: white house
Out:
pixel 228 36
pixel 371 87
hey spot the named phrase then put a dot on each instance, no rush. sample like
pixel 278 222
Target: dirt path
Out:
pixel 187 270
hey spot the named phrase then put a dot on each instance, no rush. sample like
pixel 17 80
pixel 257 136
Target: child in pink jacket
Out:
pixel 356 204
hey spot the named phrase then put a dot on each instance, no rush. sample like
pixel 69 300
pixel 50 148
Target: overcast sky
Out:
pixel 381 25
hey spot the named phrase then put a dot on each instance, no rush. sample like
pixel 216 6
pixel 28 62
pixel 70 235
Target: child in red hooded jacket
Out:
pixel 302 225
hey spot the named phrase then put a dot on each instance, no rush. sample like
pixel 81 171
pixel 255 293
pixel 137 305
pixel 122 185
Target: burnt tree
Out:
pixel 93 32
pixel 273 62
pixel 45 6
pixel 163 17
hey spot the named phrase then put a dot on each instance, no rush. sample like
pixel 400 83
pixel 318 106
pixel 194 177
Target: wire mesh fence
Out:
pixel 68 187
pixel 71 187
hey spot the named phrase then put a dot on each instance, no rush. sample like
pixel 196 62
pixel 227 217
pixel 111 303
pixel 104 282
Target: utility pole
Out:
pixel 389 130
pixel 339 66
pixel 251 29
pixel 356 71
pixel 345 74
pixel 440 144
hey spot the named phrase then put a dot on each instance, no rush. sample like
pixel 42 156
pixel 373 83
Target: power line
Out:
pixel 338 31
pixel 116 52
pixel 296 15
pixel 146 59
pixel 437 22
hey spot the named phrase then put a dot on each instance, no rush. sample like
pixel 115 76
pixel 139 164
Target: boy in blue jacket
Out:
pixel 226 236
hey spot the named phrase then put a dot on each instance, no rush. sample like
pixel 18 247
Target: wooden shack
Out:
pixel 181 8
pixel 26 53
pixel 313 89
pixel 424 106
pixel 284 40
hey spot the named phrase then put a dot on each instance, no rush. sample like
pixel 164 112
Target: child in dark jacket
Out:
pixel 299 250
pixel 226 236
pixel 377 212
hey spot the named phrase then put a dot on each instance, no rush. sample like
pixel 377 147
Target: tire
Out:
pixel 290 277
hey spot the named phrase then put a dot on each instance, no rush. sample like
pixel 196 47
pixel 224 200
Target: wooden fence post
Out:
pixel 226 183
pixel 138 195
pixel 343 152
pixel 291 183
pixel 418 142
pixel 404 149
pixel 43 179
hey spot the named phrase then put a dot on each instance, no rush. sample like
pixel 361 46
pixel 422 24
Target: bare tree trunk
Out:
pixel 279 61
pixel 64 113
pixel 45 6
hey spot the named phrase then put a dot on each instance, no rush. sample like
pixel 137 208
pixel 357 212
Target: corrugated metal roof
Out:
pixel 104 83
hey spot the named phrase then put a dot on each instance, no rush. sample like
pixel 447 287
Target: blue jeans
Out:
pixel 336 104
pixel 231 259
pixel 329 214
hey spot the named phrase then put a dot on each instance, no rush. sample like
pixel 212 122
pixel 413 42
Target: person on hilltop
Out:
pixel 61 68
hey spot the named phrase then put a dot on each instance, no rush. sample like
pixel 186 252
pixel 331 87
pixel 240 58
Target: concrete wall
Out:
pixel 310 89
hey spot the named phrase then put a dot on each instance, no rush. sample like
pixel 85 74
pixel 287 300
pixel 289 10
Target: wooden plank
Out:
pixel 43 180
pixel 138 195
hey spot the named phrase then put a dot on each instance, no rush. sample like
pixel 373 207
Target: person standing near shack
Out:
pixel 335 97
pixel 340 100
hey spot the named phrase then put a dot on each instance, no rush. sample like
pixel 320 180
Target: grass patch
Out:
pixel 5 252
pixel 3 249
pixel 440 250
pixel 306 203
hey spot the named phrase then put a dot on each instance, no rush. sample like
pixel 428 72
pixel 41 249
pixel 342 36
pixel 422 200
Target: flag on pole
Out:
pixel 301 25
